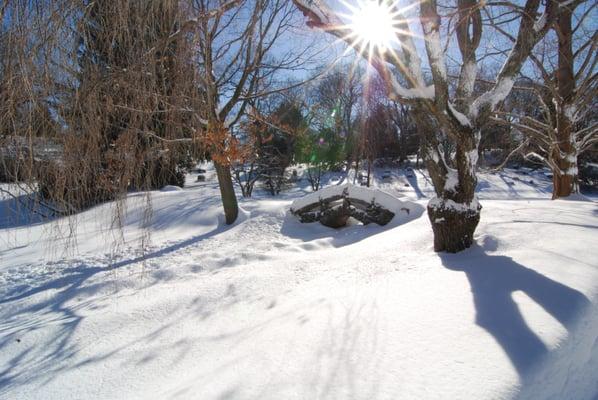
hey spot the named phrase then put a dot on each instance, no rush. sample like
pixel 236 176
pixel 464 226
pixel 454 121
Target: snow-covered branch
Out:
pixel 530 32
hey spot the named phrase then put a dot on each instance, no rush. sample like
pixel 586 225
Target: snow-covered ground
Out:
pixel 273 309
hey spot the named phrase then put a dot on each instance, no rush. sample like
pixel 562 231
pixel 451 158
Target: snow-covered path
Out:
pixel 273 309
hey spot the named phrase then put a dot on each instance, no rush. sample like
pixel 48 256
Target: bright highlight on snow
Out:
pixel 373 23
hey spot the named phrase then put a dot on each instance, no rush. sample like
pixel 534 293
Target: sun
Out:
pixel 373 24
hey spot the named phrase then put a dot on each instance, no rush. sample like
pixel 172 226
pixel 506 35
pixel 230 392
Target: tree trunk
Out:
pixel 565 155
pixel 455 212
pixel 563 185
pixel 402 148
pixel 453 228
pixel 227 191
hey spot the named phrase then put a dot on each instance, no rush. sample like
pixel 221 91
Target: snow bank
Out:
pixel 171 188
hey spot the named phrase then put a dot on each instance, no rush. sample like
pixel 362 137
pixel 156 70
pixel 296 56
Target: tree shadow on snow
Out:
pixel 66 296
pixel 411 177
pixel 23 210
pixel 493 280
pixel 76 276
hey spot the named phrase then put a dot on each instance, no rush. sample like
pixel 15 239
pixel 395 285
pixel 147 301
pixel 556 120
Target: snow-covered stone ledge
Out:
pixel 332 206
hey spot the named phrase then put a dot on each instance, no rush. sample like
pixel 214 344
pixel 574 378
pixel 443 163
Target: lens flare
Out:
pixel 373 23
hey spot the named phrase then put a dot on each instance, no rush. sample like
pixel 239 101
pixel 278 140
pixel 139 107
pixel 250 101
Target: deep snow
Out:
pixel 273 309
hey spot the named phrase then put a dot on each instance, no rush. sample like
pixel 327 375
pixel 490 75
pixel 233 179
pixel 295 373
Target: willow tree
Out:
pixel 382 32
pixel 110 77
pixel 134 78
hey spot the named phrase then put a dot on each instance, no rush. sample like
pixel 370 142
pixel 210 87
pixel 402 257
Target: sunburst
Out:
pixel 376 30
pixel 373 23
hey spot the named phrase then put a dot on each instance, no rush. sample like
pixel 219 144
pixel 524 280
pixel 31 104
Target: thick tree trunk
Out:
pixel 453 227
pixel 455 212
pixel 565 155
pixel 227 191
pixel 564 185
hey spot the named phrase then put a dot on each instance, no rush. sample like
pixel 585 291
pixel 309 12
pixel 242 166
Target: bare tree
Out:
pixel 235 61
pixel 455 212
pixel 400 114
pixel 564 128
pixel 337 95
pixel 247 169
pixel 376 127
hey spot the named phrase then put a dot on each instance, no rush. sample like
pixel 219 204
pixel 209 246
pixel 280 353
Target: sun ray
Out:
pixel 378 23
pixel 377 30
